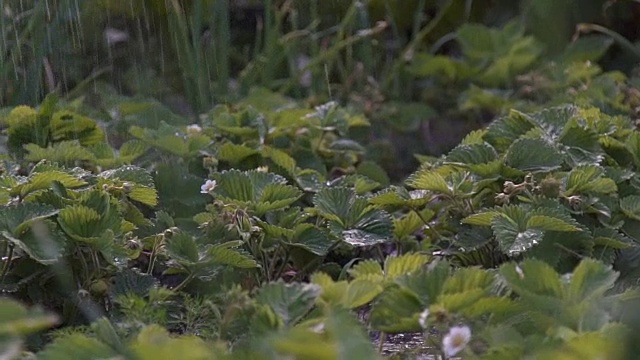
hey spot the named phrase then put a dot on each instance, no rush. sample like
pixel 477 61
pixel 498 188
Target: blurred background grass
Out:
pixel 193 54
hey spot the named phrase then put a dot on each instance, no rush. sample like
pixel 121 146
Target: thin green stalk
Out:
pixel 365 48
pixel 7 264
pixel 283 265
pixel 222 45
pixel 417 39
pixel 621 40
pixel 184 282
pixel 417 17
pixel 270 43
pixel 434 233
pixel 334 51
pixel 315 261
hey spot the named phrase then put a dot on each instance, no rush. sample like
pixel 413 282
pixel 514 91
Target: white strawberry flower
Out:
pixel 456 339
pixel 208 187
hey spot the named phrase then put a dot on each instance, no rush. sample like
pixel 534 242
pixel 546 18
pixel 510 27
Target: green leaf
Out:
pixel 228 254
pixel 364 225
pixel 346 145
pixel 129 173
pixel 429 180
pixel 235 153
pixel 471 154
pixel 88 222
pixel 18 218
pixel 439 65
pixel 256 190
pixel 182 247
pixel 335 203
pixel 131 150
pixel 77 346
pixel 312 239
pixel 374 172
pixel 16 320
pixel 65 152
pixel 590 279
pixel 402 265
pixel 128 281
pixel 399 196
pixel 533 155
pixel 42 241
pixel 368 269
pixel 44 180
pixel 504 131
pixel 511 239
pixel 155 343
pixel 360 292
pixel 484 218
pixel 585 179
pixel 410 223
pixel 289 301
pixel 549 223
pixel 533 278
pixel 397 310
pixel 280 158
pixel 587 48
pixel 630 206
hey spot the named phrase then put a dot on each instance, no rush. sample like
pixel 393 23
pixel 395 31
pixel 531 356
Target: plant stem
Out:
pixel 621 40
pixel 184 282
pixel 434 232
pixel 282 265
pixel 7 264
